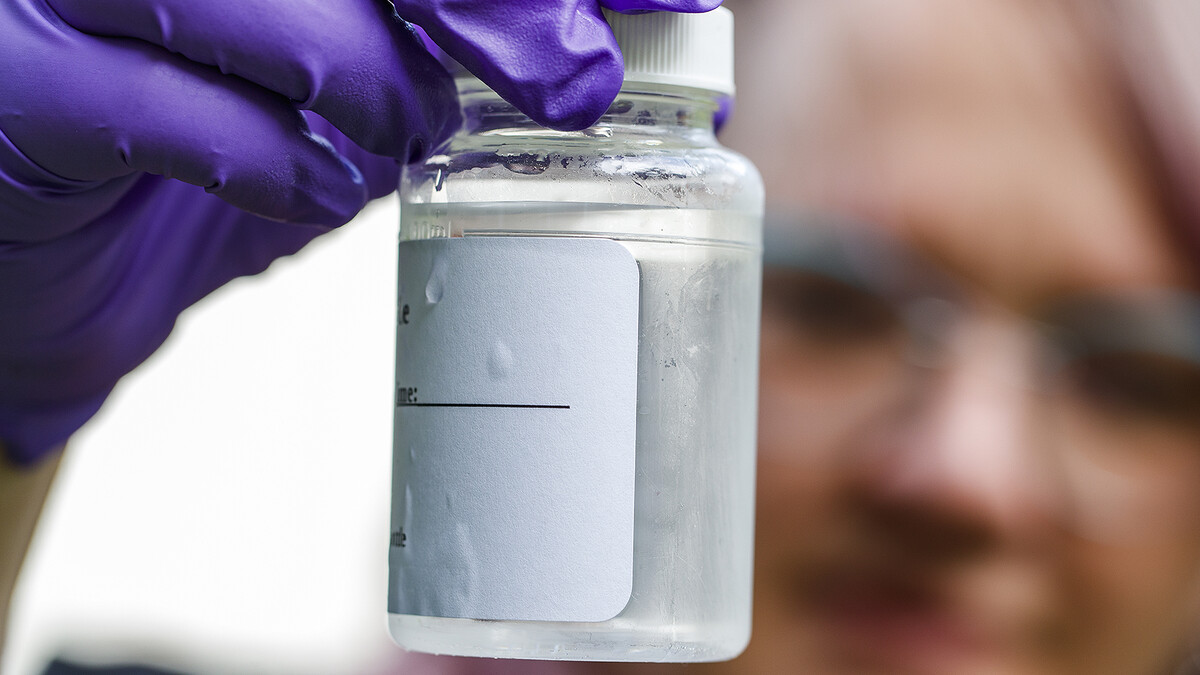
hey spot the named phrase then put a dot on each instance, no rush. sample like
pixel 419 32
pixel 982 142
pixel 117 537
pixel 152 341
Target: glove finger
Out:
pixel 625 6
pixel 556 61
pixel 725 106
pixel 354 62
pixel 151 111
pixel 381 174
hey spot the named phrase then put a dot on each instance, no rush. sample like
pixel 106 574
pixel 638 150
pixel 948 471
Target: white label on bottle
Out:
pixel 516 393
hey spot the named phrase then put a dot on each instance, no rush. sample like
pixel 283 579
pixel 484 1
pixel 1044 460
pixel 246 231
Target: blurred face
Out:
pixel 980 410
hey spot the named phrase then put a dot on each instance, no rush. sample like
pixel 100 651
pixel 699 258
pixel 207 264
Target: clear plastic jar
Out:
pixel 651 176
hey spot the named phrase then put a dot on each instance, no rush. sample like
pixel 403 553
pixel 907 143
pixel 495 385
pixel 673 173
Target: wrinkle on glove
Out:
pixel 506 45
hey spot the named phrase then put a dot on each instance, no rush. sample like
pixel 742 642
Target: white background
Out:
pixel 227 510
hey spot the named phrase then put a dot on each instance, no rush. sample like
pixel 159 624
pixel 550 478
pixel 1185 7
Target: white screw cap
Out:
pixel 685 50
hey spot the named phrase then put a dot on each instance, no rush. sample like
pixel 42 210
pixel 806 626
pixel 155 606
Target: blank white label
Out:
pixel 516 392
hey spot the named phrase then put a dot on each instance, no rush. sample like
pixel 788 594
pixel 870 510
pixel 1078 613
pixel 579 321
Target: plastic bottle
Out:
pixel 577 360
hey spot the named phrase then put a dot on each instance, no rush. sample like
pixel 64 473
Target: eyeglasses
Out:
pixel 1113 377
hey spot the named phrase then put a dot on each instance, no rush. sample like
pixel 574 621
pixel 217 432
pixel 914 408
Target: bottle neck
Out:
pixel 645 112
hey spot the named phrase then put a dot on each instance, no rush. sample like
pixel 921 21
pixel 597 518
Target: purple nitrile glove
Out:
pixel 724 112
pixel 103 102
pixel 555 60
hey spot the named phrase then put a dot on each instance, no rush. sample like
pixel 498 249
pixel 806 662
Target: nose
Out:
pixel 955 467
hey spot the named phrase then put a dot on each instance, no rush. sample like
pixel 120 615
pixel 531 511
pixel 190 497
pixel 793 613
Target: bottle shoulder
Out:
pixel 641 169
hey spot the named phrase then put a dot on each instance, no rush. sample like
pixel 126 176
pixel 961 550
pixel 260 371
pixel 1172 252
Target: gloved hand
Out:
pixel 103 102
pixel 555 60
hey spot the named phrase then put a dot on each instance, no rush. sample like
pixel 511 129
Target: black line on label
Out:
pixel 485 405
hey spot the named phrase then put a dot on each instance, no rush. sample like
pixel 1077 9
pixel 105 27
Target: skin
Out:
pixel 929 536
pixel 22 493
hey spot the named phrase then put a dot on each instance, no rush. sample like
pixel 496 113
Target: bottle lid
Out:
pixel 686 50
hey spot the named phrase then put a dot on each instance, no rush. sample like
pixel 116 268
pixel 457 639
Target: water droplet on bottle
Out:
pixel 500 365
pixel 436 285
